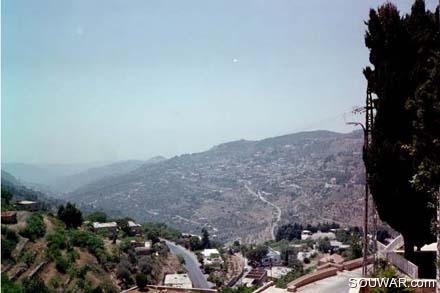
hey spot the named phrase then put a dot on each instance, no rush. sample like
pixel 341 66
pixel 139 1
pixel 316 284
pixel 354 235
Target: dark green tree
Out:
pixel 324 245
pixel 141 280
pixel 206 242
pixel 99 216
pixel 399 48
pixel 257 253
pixel 195 243
pixel 355 250
pixel 70 215
pixel 6 197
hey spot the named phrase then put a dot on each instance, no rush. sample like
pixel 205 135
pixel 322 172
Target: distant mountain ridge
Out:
pixel 20 192
pixel 56 179
pixel 72 182
pixel 311 176
pixel 44 173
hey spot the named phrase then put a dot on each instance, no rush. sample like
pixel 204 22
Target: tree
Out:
pixel 141 280
pixel 324 244
pixel 206 243
pixel 123 273
pixel 98 216
pixel 70 215
pixel 355 250
pixel 257 253
pixel 6 198
pixel 399 50
pixel 195 243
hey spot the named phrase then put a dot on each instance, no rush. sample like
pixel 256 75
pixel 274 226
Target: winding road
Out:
pixel 191 265
pixel 277 208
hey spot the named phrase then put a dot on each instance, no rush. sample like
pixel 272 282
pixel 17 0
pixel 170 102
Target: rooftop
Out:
pixel 98 225
pixel 26 202
pixel 178 280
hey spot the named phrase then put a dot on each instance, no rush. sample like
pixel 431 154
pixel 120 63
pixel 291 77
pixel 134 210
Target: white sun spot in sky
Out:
pixel 235 60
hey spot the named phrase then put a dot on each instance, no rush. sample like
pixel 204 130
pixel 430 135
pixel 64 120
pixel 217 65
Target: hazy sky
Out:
pixel 111 80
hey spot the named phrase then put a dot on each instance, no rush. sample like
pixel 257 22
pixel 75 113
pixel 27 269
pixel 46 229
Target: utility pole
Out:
pixel 365 220
pixel 367 140
pixel 438 239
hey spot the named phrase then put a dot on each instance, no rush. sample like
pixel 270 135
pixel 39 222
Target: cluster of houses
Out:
pixel 271 263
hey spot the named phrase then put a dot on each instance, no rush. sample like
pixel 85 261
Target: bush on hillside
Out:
pixel 35 228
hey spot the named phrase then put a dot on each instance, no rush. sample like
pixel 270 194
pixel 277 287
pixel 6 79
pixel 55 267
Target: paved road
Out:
pixel 338 283
pixel 191 265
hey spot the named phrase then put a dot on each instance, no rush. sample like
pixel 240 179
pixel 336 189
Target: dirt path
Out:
pixel 277 217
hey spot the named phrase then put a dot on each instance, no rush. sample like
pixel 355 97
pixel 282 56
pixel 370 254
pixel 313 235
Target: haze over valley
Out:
pixel 238 190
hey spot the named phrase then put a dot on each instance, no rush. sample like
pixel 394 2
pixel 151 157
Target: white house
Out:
pixel 212 257
pixel 305 234
pixel 178 281
pixel 272 257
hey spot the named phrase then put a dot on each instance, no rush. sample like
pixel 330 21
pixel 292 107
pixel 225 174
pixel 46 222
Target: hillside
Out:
pixel 238 189
pixel 40 255
pixel 72 182
pixel 10 184
pixel 54 179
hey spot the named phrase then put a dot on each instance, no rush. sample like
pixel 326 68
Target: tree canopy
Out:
pixel 402 160
pixel 70 215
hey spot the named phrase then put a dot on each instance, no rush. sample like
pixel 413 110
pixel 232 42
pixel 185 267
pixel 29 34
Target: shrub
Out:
pixel 61 264
pixel 87 240
pixel 28 258
pixel 9 242
pixel 35 228
pixel 58 240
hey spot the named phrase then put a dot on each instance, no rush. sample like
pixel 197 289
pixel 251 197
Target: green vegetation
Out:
pixel 239 289
pixel 291 276
pixel 403 160
pixel 99 216
pixel 154 231
pixel 289 257
pixel 386 271
pixel 35 227
pixel 324 245
pixel 355 250
pixel 257 253
pixel 141 280
pixel 70 215
pixel 206 242
pixel 9 242
pixel 88 240
pixel 6 197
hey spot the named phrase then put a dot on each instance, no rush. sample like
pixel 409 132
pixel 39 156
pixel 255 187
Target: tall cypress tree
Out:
pixel 400 50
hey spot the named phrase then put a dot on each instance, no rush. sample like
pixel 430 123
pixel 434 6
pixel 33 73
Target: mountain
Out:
pixel 44 173
pixel 53 179
pixel 20 192
pixel 72 182
pixel 243 189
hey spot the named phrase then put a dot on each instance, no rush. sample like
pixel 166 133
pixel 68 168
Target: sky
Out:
pixel 106 80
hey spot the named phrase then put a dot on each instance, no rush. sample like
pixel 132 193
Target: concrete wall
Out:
pixel 310 278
